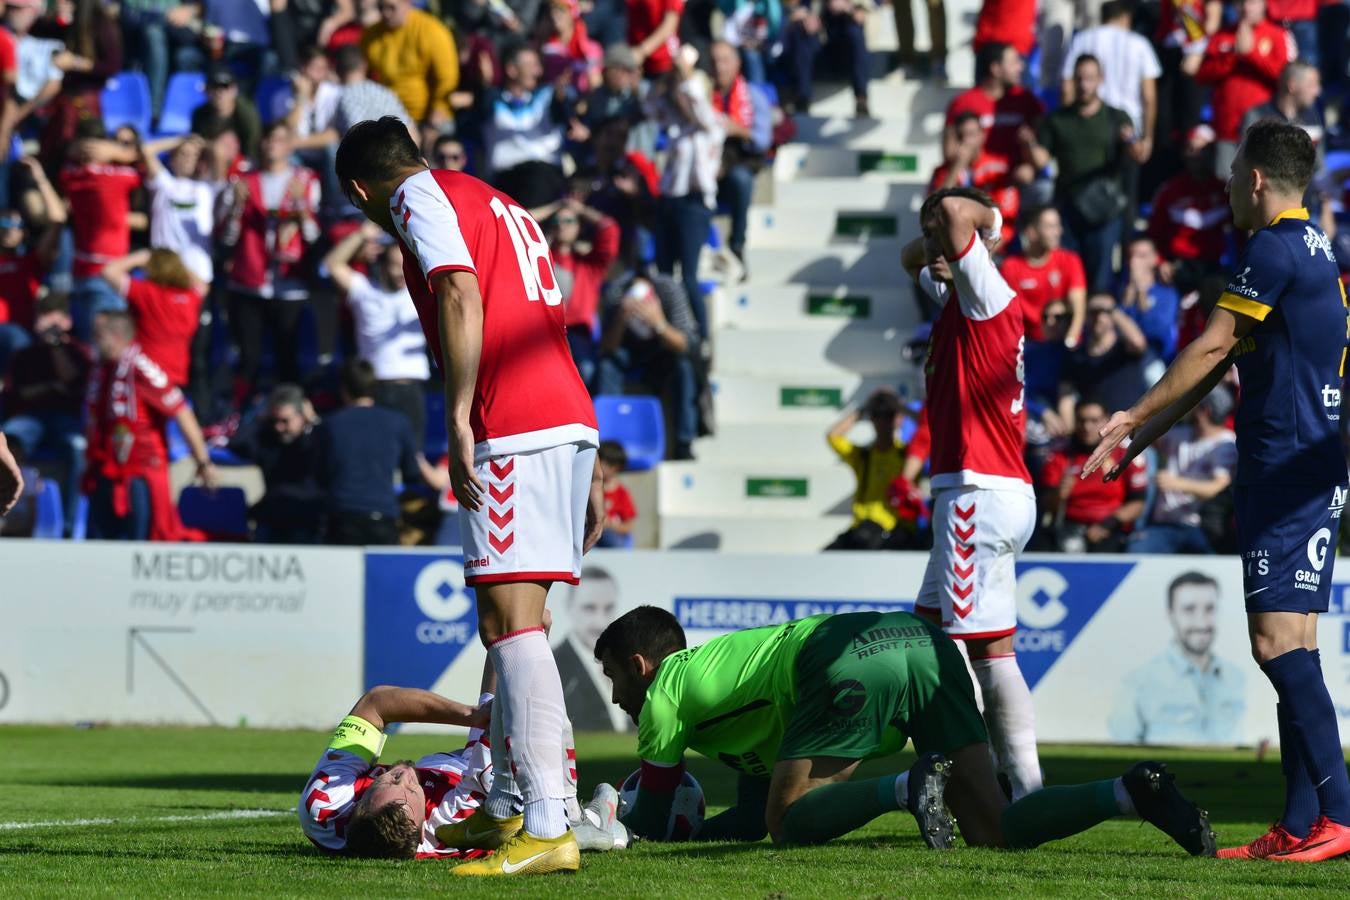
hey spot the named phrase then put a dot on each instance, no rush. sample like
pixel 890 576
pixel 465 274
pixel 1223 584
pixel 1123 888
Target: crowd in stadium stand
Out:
pixel 1104 133
pixel 167 184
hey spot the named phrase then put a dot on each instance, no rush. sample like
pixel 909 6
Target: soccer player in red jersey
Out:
pixel 984 508
pixel 522 452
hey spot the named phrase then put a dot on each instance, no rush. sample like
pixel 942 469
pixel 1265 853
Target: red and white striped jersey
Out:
pixel 975 373
pixel 454 783
pixel 528 395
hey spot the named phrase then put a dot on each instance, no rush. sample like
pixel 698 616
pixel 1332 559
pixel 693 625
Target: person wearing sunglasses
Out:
pixel 448 153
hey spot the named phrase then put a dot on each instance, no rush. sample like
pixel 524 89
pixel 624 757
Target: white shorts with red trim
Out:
pixel 533 519
pixel 971 581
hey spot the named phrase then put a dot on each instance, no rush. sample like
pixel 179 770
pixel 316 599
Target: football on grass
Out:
pixel 686 814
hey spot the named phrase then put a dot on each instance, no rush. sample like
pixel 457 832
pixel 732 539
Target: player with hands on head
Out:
pixel 522 450
pixel 984 507
pixel 1283 320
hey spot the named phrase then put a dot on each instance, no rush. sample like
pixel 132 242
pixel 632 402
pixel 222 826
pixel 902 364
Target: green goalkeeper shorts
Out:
pixel 867 681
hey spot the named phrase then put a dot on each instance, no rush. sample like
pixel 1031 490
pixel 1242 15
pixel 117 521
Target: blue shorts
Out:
pixel 1287 536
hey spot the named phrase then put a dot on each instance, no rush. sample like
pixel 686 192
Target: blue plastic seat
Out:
pixel 80 528
pixel 222 513
pixel 50 518
pixel 126 101
pixel 638 424
pixel 186 92
pixel 272 97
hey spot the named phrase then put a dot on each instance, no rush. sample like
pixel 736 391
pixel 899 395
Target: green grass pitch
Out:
pixel 138 812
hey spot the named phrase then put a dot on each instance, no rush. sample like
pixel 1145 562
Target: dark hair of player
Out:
pixel 1283 152
pixel 612 453
pixel 376 150
pixel 649 630
pixel 358 379
pixel 385 833
pixel 1188 579
pixel 931 202
pixel 989 55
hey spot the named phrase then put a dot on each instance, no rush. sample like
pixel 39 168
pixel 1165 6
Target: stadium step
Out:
pixel 826 195
pixel 786 443
pixel 803 306
pixel 851 265
pixel 841 129
pixel 850 350
pixel 755 488
pixel 773 226
pixel 751 534
pixel 888 97
pixel 899 163
pixel 800 399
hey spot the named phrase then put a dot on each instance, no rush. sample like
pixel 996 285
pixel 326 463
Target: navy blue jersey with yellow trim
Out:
pixel 1292 363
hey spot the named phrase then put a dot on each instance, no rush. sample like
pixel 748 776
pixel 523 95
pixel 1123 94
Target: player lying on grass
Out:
pixel 794 708
pixel 355 805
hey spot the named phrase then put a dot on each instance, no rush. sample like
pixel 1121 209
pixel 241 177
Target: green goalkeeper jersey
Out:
pixel 729 699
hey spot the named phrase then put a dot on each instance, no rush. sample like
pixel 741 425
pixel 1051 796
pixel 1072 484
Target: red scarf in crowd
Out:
pixel 736 103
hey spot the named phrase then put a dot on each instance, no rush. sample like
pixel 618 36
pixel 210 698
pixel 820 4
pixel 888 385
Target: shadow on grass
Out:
pixel 234 782
pixel 1232 789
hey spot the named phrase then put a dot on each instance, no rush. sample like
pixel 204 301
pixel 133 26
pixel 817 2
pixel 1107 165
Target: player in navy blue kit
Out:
pixel 1283 321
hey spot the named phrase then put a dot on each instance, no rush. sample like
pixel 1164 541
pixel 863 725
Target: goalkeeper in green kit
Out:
pixel 794 708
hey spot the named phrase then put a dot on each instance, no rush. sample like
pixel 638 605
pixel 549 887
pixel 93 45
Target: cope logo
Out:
pixel 441 596
pixel 1054 604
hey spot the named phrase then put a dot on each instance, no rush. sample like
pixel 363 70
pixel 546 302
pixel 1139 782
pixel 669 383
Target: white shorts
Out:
pixel 971 580
pixel 533 519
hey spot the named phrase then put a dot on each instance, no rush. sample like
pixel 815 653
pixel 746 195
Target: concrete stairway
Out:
pixel 824 317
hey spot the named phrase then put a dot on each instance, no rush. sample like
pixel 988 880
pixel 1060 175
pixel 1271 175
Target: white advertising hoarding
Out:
pixel 193 634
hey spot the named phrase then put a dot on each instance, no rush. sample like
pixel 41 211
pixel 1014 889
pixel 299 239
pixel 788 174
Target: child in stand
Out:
pixel 620 513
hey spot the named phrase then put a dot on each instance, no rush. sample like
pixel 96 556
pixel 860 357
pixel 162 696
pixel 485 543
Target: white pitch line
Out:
pixel 200 817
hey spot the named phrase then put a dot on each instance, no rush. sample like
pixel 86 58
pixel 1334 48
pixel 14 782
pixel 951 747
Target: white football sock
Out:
pixel 503 799
pixel 1123 798
pixel 1011 718
pixel 533 719
pixel 902 790
pixel 570 803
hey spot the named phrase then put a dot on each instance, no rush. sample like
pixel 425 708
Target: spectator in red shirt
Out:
pixel 1004 108
pixel 565 46
pixel 1045 272
pixel 22 261
pixel 271 223
pixel 130 402
pixel 653 27
pixel 1089 513
pixel 620 511
pixel 971 165
pixel 1299 18
pixel 1190 216
pixel 43 393
pixel 1011 22
pixel 1243 63
pixel 588 264
pixel 99 189
pixel 166 305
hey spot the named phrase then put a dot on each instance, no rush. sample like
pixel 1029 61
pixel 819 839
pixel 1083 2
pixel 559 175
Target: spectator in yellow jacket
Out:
pixel 413 53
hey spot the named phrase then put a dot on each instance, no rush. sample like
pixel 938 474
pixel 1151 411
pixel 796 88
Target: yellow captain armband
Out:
pixel 355 735
pixel 1250 308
